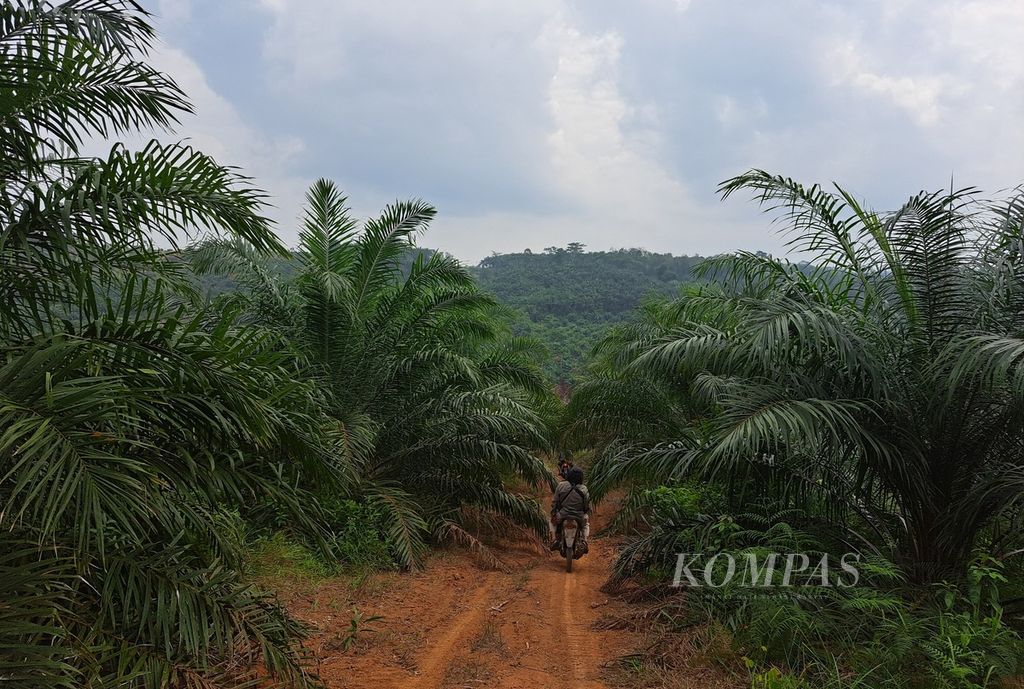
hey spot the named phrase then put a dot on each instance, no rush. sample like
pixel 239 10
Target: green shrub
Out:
pixel 864 636
pixel 690 498
pixel 356 540
pixel 883 632
pixel 278 556
pixel 360 537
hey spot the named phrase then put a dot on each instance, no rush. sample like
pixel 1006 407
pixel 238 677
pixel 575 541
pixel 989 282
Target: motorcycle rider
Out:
pixel 564 465
pixel 571 499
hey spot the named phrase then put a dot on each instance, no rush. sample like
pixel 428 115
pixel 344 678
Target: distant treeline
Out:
pixel 564 297
pixel 568 296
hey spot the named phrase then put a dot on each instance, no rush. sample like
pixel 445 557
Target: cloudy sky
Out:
pixel 532 123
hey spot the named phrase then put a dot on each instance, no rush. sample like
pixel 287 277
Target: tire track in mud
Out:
pixel 527 626
pixel 575 637
pixel 580 594
pixel 438 657
pixel 549 627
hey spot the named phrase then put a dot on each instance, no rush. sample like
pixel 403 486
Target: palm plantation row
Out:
pixel 141 425
pixel 871 399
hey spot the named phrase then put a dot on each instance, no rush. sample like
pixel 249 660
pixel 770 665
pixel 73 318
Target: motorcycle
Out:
pixel 572 546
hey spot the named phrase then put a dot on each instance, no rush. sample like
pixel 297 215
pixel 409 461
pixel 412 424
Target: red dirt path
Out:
pixel 455 624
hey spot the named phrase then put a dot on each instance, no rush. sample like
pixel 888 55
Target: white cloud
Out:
pixel 731 112
pixel 174 11
pixel 547 121
pixel 923 97
pixel 959 76
pixel 612 175
pixel 219 130
pixel 590 148
pixel 621 194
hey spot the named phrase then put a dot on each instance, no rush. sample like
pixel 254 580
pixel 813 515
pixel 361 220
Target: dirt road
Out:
pixel 527 625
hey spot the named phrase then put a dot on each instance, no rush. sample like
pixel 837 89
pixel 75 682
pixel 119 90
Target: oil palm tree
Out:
pixel 879 380
pixel 437 403
pixel 131 422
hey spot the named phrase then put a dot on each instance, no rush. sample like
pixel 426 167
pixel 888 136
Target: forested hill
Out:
pixel 565 297
pixel 568 297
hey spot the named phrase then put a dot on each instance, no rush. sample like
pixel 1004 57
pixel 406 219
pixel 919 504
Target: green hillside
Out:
pixel 567 297
pixel 564 297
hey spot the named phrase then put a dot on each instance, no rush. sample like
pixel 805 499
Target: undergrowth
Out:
pixel 881 632
pixel 355 542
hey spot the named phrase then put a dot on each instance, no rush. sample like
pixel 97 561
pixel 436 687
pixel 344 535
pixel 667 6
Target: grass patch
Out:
pixel 277 557
pixel 489 639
